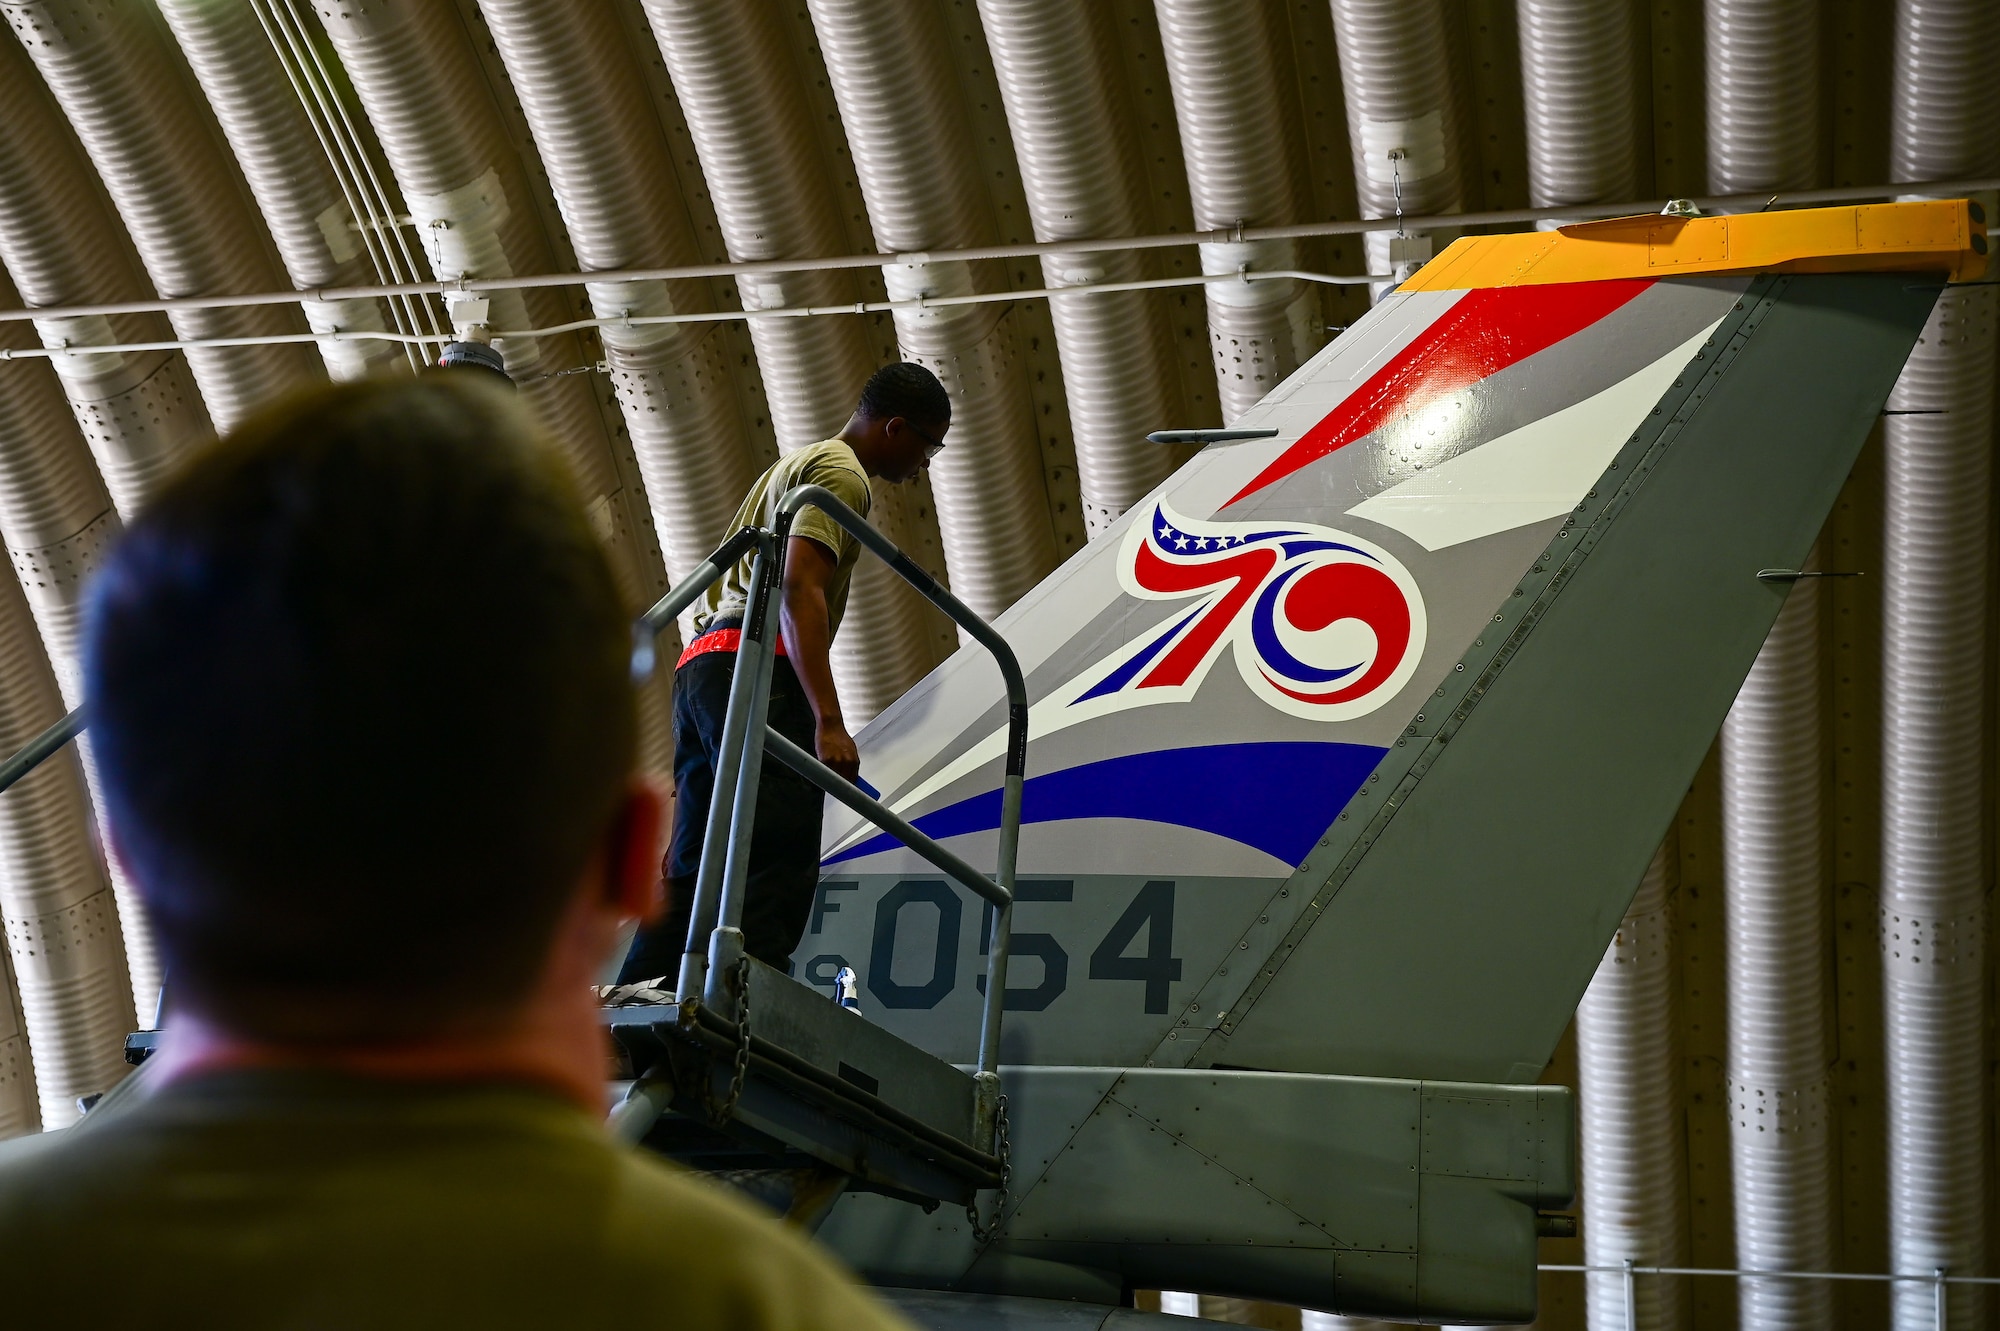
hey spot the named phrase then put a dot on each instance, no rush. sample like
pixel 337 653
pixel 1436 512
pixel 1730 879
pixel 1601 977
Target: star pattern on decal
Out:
pixel 1169 538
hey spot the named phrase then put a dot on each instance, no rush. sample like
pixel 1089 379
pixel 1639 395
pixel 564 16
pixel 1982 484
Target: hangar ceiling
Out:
pixel 712 159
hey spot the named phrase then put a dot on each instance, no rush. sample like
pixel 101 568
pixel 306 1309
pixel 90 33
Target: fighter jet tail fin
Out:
pixel 1349 745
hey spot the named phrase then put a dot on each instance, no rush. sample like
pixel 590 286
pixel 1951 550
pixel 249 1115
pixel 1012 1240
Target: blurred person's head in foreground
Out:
pixel 360 692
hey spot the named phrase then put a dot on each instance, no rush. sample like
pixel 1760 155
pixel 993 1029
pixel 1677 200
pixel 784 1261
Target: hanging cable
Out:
pixel 381 215
pixel 367 203
pixel 925 302
pixel 1510 217
pixel 335 150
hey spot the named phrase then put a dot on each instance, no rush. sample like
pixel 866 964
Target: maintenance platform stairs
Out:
pixel 743 1072
pixel 803 1090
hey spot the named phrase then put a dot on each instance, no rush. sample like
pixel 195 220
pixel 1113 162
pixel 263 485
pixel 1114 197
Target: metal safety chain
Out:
pixel 1396 156
pixel 741 1068
pixel 980 1232
pixel 596 367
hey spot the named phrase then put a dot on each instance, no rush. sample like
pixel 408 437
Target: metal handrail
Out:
pixel 39 749
pixel 716 914
pixel 648 627
pixel 1017 747
pixel 733 799
pixel 878 813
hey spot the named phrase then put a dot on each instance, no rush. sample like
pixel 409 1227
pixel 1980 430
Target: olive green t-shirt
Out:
pixel 284 1199
pixel 830 463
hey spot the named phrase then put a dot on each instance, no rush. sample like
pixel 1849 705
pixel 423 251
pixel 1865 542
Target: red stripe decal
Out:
pixel 1246 571
pixel 1488 329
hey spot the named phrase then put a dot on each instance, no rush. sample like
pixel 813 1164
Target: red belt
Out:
pixel 718 640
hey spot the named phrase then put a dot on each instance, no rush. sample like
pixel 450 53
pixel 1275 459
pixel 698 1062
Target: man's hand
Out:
pixel 836 748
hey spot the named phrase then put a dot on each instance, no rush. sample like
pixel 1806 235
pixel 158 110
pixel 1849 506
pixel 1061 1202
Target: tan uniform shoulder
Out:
pixel 833 464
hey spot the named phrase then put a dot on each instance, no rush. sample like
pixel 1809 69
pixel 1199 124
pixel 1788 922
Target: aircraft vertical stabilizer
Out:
pixel 1348 748
pixel 1349 745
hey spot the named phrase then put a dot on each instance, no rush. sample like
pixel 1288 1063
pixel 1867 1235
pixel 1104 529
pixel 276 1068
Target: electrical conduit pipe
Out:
pixel 587 106
pixel 1397 76
pixel 1083 178
pixel 774 200
pixel 1763 133
pixel 62 923
pixel 113 71
pixel 1237 142
pixel 419 81
pixel 288 173
pixel 893 80
pixel 1936 597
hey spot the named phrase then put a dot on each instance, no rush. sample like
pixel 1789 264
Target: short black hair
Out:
pixel 908 390
pixel 360 690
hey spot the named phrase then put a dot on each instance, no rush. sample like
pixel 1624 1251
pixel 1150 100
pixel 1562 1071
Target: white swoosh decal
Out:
pixel 1537 472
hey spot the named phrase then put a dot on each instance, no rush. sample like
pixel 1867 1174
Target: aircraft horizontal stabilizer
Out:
pixel 1404 1199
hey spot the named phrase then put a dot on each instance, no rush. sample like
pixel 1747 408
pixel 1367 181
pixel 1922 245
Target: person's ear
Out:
pixel 632 856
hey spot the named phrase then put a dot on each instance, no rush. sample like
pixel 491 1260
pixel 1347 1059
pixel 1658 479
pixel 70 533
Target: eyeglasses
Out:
pixel 932 445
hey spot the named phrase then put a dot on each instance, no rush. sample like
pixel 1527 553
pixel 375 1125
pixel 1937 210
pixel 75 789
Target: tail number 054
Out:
pixel 1138 947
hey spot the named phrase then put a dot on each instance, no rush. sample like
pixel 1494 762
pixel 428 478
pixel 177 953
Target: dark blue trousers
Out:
pixel 784 845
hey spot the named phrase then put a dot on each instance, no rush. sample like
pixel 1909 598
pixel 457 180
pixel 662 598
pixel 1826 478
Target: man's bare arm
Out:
pixel 809 567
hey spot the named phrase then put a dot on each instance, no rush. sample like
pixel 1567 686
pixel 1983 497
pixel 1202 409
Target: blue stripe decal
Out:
pixel 1264 633
pixel 1277 798
pixel 1126 673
